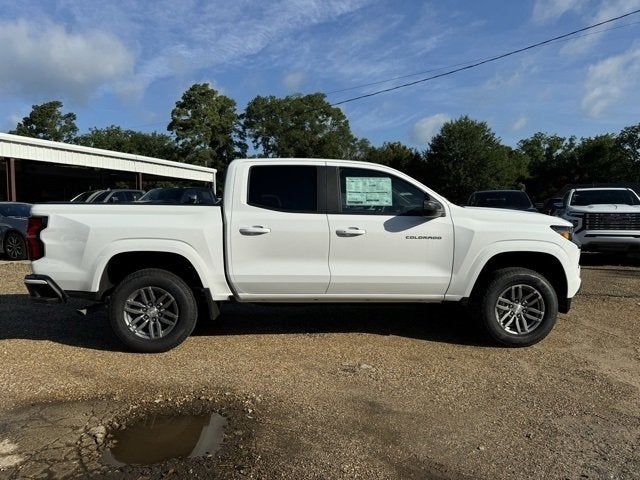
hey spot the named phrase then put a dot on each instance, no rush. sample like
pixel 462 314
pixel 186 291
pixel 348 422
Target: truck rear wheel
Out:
pixel 518 307
pixel 152 310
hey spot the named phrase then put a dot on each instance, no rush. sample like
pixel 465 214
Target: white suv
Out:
pixel 604 219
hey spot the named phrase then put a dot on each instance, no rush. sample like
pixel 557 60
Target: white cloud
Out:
pixel 520 123
pixel 611 81
pixel 425 128
pixel 591 11
pixel 293 81
pixel 549 10
pixel 366 46
pixel 607 9
pixel 181 38
pixel 45 60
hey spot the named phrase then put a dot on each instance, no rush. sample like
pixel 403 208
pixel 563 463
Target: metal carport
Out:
pixel 15 148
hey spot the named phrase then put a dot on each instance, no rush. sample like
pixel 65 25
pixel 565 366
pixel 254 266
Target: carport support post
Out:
pixel 11 179
pixel 139 181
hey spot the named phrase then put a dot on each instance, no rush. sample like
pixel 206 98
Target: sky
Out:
pixel 128 62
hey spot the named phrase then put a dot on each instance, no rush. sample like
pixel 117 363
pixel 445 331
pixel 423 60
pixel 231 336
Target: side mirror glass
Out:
pixel 432 209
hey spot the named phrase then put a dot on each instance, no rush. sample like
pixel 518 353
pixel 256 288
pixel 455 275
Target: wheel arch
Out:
pixel 123 264
pixel 544 263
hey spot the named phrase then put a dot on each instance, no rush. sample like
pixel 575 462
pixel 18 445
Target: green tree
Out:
pixel 207 128
pixel 467 156
pixel 628 141
pixel 549 159
pixel 129 141
pixel 46 121
pixel 600 159
pixel 399 156
pixel 300 126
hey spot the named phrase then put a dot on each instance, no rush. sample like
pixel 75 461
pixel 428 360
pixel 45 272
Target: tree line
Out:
pixel 206 128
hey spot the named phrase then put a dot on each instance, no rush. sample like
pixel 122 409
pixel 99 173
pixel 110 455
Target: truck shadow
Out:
pixel 20 318
pixel 449 323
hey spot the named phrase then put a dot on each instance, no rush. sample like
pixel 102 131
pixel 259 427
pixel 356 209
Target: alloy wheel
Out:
pixel 151 312
pixel 14 247
pixel 520 309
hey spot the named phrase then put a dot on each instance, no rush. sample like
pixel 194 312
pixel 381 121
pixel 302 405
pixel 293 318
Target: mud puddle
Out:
pixel 158 438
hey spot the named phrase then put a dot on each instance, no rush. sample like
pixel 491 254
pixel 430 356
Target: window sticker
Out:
pixel 368 192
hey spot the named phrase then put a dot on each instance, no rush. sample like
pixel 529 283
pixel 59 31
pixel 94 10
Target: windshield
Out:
pixel 98 197
pixel 15 210
pixel 162 194
pixel 504 199
pixel 582 198
pixel 83 196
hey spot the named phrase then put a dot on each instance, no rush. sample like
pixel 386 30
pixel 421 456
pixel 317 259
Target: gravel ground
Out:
pixel 334 392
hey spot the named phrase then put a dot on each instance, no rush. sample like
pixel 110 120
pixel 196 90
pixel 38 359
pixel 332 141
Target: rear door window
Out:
pixel 286 188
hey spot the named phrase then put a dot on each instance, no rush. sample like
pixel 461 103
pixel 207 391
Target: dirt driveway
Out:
pixel 333 392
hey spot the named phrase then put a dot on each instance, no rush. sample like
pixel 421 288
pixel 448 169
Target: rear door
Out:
pixel 381 243
pixel 278 239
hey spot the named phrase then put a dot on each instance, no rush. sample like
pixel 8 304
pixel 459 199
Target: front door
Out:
pixel 279 236
pixel 381 244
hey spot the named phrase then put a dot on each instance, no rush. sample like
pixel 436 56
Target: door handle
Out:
pixel 255 230
pixel 350 232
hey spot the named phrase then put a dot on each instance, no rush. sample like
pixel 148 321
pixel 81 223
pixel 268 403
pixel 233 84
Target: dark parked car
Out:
pixel 13 229
pixel 180 195
pixel 511 199
pixel 109 196
pixel 551 205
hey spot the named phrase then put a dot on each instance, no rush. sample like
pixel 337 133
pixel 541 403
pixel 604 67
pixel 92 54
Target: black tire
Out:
pixel 487 300
pixel 186 312
pixel 15 247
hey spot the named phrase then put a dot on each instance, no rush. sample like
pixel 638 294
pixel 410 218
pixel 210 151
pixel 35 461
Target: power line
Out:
pixel 409 75
pixel 482 62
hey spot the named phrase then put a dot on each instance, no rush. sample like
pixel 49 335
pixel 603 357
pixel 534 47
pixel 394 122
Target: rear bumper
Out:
pixel 43 289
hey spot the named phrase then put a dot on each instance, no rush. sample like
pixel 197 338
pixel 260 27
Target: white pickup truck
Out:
pixel 306 231
pixel 605 219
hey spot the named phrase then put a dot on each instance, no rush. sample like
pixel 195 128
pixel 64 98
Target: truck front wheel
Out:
pixel 517 307
pixel 152 310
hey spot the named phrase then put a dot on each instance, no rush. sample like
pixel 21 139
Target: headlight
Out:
pixel 575 218
pixel 566 232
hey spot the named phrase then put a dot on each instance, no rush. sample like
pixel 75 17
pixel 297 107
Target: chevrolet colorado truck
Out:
pixel 604 219
pixel 304 231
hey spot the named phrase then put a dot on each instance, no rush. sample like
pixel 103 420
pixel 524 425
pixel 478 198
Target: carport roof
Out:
pixel 15 146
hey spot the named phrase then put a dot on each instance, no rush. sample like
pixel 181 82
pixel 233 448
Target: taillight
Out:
pixel 35 247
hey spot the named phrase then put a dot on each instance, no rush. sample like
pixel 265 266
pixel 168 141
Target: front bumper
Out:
pixel 43 289
pixel 608 240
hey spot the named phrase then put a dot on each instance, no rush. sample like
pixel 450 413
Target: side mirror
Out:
pixel 432 209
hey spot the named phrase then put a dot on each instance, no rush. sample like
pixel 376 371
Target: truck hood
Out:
pixel 501 215
pixel 605 208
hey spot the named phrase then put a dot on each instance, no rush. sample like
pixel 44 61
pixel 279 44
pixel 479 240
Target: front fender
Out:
pixel 466 273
